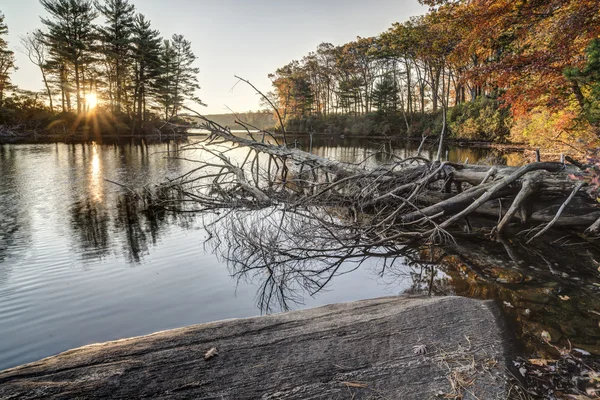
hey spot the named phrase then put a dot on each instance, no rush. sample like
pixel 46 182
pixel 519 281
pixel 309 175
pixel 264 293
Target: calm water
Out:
pixel 80 263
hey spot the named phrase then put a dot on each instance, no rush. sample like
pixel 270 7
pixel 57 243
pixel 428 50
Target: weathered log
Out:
pixel 529 187
pixel 391 348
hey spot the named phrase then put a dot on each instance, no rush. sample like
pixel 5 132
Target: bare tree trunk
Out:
pixel 77 87
pixel 47 89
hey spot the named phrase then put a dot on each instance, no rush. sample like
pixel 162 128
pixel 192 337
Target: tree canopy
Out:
pixel 102 55
pixel 531 57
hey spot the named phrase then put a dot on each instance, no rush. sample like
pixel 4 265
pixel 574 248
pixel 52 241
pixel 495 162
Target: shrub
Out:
pixel 482 119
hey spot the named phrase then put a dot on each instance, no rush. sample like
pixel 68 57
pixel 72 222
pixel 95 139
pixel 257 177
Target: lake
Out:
pixel 80 262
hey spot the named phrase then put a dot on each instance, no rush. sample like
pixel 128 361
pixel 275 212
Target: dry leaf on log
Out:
pixel 355 385
pixel 420 349
pixel 540 362
pixel 546 337
pixel 211 353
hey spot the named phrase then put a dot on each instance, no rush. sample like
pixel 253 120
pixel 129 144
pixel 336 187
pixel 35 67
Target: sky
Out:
pixel 248 38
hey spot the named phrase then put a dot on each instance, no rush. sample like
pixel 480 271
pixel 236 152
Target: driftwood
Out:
pixel 404 200
pixel 390 348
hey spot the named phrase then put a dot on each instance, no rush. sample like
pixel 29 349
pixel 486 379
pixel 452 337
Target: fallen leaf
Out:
pixel 211 353
pixel 507 304
pixel 546 337
pixel 540 362
pixel 564 298
pixel 355 384
pixel 420 349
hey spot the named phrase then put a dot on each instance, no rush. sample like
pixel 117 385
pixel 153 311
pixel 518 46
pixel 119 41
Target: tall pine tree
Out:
pixel 70 37
pixel 178 80
pixel 115 38
pixel 146 48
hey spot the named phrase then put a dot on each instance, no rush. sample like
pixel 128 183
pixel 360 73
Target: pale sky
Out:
pixel 250 38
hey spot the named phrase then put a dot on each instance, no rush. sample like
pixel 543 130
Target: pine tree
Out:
pixel 385 94
pixel 7 60
pixel 146 49
pixel 70 37
pixel 178 80
pixel 115 40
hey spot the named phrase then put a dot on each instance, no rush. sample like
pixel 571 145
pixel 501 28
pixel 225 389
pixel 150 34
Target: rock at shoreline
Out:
pixel 389 348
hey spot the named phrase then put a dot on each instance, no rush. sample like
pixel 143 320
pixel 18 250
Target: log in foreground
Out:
pixel 389 348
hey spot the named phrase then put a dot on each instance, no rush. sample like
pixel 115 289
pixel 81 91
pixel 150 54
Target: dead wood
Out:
pixel 404 200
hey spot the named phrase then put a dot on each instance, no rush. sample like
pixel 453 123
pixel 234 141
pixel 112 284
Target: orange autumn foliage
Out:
pixel 522 47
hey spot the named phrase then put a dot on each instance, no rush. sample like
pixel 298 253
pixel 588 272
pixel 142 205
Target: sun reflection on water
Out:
pixel 96 182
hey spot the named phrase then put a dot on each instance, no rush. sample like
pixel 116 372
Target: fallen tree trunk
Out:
pixel 406 199
pixel 397 348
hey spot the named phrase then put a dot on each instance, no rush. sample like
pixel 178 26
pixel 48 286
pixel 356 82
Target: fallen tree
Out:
pixel 401 201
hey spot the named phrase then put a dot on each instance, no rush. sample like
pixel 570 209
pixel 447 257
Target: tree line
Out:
pixel 534 58
pixel 105 50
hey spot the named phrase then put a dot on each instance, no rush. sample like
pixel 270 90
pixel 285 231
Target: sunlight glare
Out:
pixel 91 100
pixel 95 182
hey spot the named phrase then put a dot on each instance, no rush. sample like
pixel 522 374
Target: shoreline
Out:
pixel 88 138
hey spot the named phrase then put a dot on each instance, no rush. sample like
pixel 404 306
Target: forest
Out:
pixel 121 67
pixel 288 215
pixel 525 72
pixel 520 71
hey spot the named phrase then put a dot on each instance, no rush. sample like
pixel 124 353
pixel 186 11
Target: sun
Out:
pixel 91 100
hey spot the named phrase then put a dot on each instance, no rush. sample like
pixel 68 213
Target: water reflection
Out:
pixel 95 188
pixel 91 224
pixel 378 151
pixel 44 182
pixel 293 254
pixel 290 255
pixel 40 184
pixel 68 239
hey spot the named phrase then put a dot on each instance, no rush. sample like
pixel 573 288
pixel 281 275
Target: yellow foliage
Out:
pixel 559 130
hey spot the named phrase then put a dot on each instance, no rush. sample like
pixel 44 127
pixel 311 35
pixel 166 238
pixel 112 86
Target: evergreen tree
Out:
pixel 70 37
pixel 115 38
pixel 7 60
pixel 586 84
pixel 178 80
pixel 146 51
pixel 385 95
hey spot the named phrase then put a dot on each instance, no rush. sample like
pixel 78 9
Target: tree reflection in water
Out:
pixel 289 254
pixel 91 221
pixel 129 222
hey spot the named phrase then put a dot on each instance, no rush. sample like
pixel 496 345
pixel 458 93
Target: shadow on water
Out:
pixel 553 286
